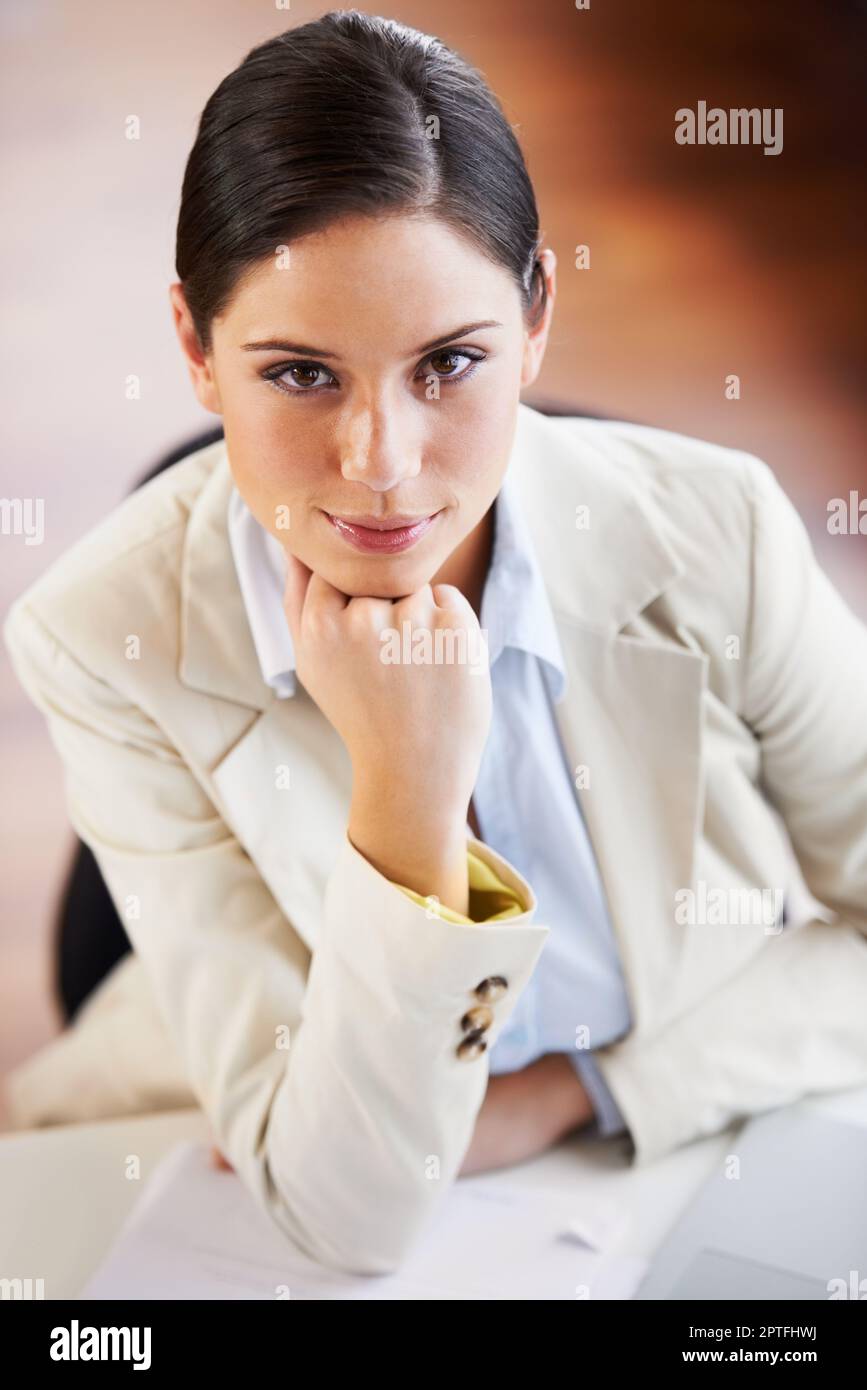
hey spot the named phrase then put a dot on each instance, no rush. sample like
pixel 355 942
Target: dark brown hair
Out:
pixel 349 114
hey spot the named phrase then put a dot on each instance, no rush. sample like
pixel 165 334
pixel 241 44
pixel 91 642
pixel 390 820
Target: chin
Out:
pixel 382 578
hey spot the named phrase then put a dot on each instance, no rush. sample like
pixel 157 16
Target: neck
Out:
pixel 467 566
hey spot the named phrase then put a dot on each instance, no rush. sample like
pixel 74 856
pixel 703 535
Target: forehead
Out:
pixel 394 270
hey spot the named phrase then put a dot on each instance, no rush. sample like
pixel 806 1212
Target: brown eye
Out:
pixel 303 372
pixel 447 357
pixel 299 378
pixel 443 363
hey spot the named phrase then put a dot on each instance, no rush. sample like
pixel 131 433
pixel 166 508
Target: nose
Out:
pixel 378 447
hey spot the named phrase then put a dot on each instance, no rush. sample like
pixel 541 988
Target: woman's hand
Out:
pixel 526 1112
pixel 415 733
pixel 430 720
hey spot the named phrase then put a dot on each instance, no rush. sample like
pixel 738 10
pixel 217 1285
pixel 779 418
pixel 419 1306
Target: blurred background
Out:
pixel 705 261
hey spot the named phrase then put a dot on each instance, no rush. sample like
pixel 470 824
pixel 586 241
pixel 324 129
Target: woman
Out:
pixel 432 750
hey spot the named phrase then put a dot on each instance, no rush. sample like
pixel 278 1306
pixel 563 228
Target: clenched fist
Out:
pixel 406 684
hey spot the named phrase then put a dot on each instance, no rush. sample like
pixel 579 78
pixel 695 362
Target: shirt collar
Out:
pixel 261 566
pixel 515 608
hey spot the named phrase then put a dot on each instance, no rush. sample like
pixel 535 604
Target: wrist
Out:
pixel 427 853
pixel 407 799
pixel 399 814
pixel 564 1101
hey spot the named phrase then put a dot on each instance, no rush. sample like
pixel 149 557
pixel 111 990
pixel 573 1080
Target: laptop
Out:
pixel 787 1220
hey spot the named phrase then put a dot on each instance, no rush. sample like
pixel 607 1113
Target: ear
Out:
pixel 536 338
pixel 199 366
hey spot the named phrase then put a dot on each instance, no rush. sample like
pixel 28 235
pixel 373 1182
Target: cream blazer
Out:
pixel 309 1005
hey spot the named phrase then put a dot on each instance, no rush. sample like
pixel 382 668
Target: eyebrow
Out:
pixel 305 350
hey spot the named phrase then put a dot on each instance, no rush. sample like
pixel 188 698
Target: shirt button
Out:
pixel 471 1046
pixel 478 1018
pixel 494 987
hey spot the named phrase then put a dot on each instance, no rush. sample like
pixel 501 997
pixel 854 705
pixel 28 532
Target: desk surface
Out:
pixel 61 1205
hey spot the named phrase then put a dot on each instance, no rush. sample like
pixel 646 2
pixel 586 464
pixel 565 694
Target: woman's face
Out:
pixel 374 372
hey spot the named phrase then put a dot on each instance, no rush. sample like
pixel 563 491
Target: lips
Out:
pixel 375 523
pixel 383 535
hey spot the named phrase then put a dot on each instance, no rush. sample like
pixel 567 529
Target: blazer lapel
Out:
pixel 631 715
pixel 218 655
pixel 287 785
pixel 283 776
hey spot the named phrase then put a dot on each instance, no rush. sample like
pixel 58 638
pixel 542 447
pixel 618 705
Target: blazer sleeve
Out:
pixel 492 900
pixel 332 1081
pixel 794 1020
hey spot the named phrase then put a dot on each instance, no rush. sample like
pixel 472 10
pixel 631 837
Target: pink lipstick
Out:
pixel 382 535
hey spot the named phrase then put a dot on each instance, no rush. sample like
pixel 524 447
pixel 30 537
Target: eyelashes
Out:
pixel 273 374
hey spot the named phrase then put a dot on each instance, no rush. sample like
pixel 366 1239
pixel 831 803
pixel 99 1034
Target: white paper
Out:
pixel 196 1233
pixel 601 1225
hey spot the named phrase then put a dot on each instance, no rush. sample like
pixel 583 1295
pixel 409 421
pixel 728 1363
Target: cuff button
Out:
pixel 477 1019
pixel 494 987
pixel 473 1045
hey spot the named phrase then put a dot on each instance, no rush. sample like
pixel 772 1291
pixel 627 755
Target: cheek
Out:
pixel 267 439
pixel 271 466
pixel 472 457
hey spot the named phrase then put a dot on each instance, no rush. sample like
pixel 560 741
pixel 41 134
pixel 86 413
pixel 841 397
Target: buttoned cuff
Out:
pixel 491 900
pixel 608 1117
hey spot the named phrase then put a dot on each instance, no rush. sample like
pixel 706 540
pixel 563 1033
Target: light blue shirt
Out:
pixel 525 799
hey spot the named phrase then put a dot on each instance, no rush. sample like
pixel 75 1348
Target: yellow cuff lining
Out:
pixel 491 900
